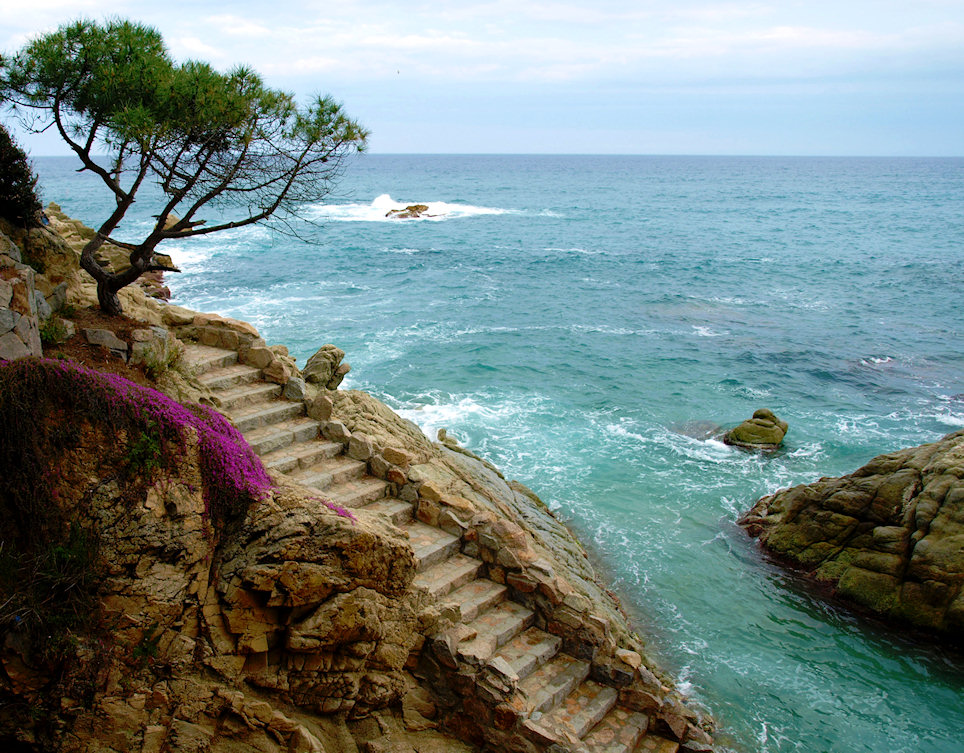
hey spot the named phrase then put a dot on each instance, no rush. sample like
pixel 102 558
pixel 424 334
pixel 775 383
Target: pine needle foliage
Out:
pixel 213 142
pixel 19 204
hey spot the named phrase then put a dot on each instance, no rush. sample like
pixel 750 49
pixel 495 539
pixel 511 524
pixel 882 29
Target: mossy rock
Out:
pixel 762 432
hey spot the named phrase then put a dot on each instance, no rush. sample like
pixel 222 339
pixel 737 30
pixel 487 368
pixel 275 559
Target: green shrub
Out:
pixel 18 185
pixel 162 358
pixel 53 331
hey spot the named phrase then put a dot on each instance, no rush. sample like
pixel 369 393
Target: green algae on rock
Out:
pixel 889 537
pixel 762 432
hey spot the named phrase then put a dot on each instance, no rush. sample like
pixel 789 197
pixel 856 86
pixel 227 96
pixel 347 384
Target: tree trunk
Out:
pixel 107 298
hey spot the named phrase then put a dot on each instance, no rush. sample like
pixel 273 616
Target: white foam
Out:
pixel 707 332
pixel 950 418
pixel 622 431
pixel 876 360
pixel 430 417
pixel 378 211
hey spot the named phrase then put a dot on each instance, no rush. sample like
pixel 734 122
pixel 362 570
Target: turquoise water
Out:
pixel 567 317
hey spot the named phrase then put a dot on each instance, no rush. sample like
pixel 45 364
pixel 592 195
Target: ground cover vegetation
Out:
pixel 222 143
pixel 49 564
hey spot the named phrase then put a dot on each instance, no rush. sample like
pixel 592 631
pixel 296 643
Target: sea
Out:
pixel 584 322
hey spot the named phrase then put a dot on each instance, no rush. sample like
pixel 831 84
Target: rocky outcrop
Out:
pixel 763 432
pixel 889 537
pixel 267 631
pixel 412 211
pixel 518 643
pixel 28 300
pixel 385 590
pixel 325 367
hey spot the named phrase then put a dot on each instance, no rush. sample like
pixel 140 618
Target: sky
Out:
pixel 815 77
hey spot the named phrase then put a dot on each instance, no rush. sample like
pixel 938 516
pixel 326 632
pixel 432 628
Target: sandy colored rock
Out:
pixel 360 411
pixel 323 364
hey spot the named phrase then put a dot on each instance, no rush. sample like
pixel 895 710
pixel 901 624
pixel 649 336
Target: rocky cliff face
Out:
pixel 198 632
pixel 443 598
pixel 889 537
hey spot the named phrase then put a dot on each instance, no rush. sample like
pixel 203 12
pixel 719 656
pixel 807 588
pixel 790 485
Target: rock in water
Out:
pixel 889 537
pixel 762 432
pixel 410 212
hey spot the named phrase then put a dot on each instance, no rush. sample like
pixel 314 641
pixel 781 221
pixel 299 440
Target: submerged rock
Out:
pixel 889 537
pixel 762 432
pixel 698 430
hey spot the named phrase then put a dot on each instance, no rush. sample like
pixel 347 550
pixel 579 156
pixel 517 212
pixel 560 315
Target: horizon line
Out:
pixel 613 154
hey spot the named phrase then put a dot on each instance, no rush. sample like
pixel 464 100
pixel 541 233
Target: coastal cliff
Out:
pixel 380 591
pixel 887 537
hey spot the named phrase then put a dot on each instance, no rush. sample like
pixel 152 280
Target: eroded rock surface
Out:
pixel 889 537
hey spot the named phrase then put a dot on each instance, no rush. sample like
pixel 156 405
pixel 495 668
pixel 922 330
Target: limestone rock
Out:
pixel 338 377
pixel 295 389
pixel 360 447
pixel 762 432
pixel 323 364
pixel 360 411
pixel 177 316
pixel 277 371
pixel 889 537
pixel 319 407
pixel 107 339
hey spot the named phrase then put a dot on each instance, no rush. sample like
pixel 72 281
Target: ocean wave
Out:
pixel 702 331
pixel 432 415
pixel 406 251
pixel 573 250
pixel 873 361
pixel 378 211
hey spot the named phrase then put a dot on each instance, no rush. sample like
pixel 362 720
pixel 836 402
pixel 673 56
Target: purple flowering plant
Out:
pixel 232 474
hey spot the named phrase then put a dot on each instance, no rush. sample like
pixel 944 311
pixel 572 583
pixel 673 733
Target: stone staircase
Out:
pixel 549 698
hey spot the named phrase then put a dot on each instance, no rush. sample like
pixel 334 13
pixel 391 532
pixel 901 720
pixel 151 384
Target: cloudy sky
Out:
pixel 831 77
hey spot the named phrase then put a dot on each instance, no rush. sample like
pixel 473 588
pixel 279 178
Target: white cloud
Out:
pixel 193 47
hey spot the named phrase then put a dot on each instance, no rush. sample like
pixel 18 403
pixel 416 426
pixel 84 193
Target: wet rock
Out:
pixel 410 212
pixel 763 432
pixel 888 537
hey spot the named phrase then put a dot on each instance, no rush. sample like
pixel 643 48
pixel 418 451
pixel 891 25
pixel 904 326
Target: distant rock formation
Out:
pixel 763 432
pixel 412 211
pixel 889 537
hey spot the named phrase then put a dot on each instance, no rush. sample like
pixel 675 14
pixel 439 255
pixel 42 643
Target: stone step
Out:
pixel 358 493
pixel 545 688
pixel 397 511
pixel 330 472
pixel 493 629
pixel 446 576
pixel 619 732
pixel 250 417
pixel 203 358
pixel 431 545
pixel 246 394
pixel 527 652
pixel 656 744
pixel 265 439
pixel 477 596
pixel 578 713
pixel 301 455
pixel 229 376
